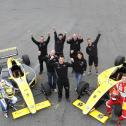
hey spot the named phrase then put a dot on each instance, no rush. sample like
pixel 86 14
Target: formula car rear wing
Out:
pixel 8 52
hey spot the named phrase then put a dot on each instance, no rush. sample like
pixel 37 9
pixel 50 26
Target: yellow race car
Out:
pixel 22 77
pixel 106 80
pixel 24 63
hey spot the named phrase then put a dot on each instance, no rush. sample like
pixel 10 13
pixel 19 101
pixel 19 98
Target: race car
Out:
pixel 22 77
pixel 25 63
pixel 106 80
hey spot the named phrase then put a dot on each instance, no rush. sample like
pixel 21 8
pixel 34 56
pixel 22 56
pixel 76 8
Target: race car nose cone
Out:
pixel 33 109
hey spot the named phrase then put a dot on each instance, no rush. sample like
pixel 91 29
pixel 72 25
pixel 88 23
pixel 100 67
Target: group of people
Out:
pixel 57 68
pixel 57 71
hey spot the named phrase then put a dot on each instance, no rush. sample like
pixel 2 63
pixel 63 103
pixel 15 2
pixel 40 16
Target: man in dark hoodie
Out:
pixel 74 42
pixel 59 42
pixel 92 52
pixel 61 68
pixel 42 47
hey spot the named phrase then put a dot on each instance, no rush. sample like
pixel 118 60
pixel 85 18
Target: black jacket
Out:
pixel 62 70
pixel 92 50
pixel 42 46
pixel 75 45
pixel 79 66
pixel 49 65
pixel 59 44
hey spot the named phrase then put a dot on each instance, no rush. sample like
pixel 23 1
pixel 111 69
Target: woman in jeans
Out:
pixel 79 66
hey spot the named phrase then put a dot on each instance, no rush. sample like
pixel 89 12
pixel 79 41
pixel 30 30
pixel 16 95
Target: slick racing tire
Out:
pixel 45 88
pixel 119 60
pixel 118 110
pixel 83 86
pixel 26 60
pixel 102 100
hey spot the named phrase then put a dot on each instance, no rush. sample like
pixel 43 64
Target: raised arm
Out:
pixel 55 34
pixel 35 41
pixel 80 39
pixel 69 39
pixel 97 38
pixel 48 39
pixel 64 37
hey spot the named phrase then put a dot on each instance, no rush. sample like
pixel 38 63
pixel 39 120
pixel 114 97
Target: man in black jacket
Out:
pixel 74 42
pixel 52 79
pixel 59 42
pixel 62 77
pixel 42 47
pixel 92 52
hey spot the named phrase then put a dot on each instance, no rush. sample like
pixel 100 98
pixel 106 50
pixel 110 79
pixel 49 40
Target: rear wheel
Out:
pixel 119 60
pixel 118 110
pixel 102 100
pixel 26 60
pixel 82 88
pixel 45 88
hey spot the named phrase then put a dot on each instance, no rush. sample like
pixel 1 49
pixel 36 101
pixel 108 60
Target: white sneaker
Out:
pixel 55 90
pixel 89 73
pixel 97 73
pixel 75 89
pixel 5 115
pixel 84 74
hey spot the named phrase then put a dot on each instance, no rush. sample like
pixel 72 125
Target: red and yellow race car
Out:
pixel 106 80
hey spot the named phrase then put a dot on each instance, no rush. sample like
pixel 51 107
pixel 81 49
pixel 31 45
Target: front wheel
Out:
pixel 45 88
pixel 26 60
pixel 118 110
pixel 82 88
pixel 119 60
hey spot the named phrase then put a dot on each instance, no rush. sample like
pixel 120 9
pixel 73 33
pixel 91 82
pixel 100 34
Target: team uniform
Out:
pixel 92 52
pixel 43 51
pixel 74 46
pixel 52 79
pixel 59 44
pixel 62 78
pixel 79 67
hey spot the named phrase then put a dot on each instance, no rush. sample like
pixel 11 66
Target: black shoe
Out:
pixel 59 99
pixel 40 72
pixel 68 99
pixel 97 73
pixel 72 71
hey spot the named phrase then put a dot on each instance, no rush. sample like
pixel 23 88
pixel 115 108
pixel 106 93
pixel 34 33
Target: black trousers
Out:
pixel 59 54
pixel 74 54
pixel 63 84
pixel 41 60
pixel 93 59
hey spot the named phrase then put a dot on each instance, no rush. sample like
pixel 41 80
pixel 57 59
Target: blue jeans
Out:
pixel 52 79
pixel 78 78
pixel 3 105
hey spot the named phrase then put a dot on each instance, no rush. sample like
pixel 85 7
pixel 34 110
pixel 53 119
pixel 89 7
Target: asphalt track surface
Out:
pixel 20 18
